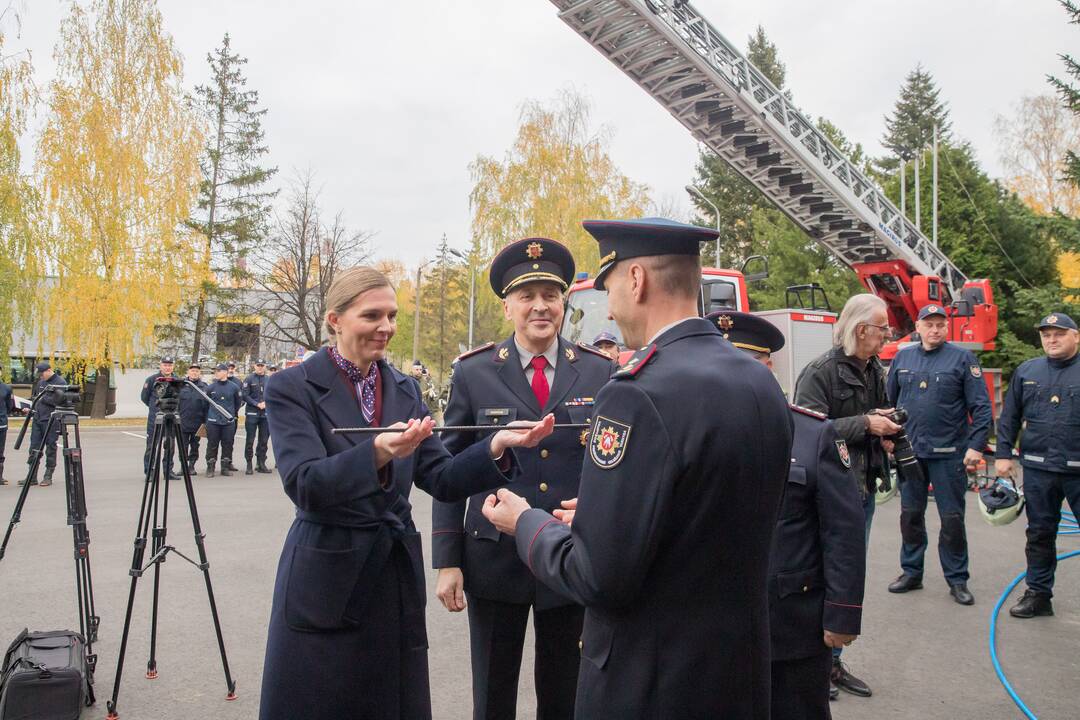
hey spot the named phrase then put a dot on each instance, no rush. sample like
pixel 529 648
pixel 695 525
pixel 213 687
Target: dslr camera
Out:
pixel 907 465
pixel 63 395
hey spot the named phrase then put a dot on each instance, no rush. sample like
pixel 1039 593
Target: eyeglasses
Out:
pixel 882 328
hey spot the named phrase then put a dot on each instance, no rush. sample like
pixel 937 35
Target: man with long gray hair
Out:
pixel 847 384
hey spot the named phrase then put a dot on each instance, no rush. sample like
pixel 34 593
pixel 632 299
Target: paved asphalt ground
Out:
pixel 925 656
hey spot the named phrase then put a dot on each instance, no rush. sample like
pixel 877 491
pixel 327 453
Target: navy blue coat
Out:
pixel 47 403
pixel 669 550
pixel 193 407
pixel 7 404
pixel 149 398
pixel 254 391
pixel 940 388
pixel 1045 394
pixel 818 563
pixel 489 388
pixel 227 394
pixel 347 637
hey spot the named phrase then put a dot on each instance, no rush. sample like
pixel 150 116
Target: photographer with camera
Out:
pixel 150 400
pixel 939 385
pixel 220 430
pixel 7 409
pixel 193 410
pixel 847 384
pixel 44 408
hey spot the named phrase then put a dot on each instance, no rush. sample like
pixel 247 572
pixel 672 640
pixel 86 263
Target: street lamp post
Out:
pixel 472 290
pixel 696 192
pixel 416 313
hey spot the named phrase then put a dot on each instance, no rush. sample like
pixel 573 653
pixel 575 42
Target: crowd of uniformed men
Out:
pixel 673 566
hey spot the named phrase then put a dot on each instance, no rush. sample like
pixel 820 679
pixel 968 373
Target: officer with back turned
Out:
pixel 193 409
pixel 254 391
pixel 818 560
pixel 1044 399
pixel 221 430
pixel 44 408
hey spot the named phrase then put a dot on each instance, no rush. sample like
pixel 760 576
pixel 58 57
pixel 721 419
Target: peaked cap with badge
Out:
pixel 1058 320
pixel 530 260
pixel 643 237
pixel 748 332
pixel 928 310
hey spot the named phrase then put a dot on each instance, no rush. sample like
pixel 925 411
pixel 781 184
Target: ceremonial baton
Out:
pixel 453 428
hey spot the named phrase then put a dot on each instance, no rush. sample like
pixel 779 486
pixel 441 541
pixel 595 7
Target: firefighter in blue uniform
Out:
pixel 255 423
pixel 494 385
pixel 193 409
pixel 668 547
pixel 42 411
pixel 940 385
pixel 150 400
pixel 1044 399
pixel 818 560
pixel 220 431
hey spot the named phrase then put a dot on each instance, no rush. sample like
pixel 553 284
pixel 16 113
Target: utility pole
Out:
pixel 696 192
pixel 472 289
pixel 903 188
pixel 918 209
pixel 416 313
pixel 933 238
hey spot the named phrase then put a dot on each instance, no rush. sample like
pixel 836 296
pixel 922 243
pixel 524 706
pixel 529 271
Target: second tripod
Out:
pixel 153 515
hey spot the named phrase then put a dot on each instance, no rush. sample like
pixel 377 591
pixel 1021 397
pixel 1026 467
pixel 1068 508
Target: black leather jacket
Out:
pixel 838 385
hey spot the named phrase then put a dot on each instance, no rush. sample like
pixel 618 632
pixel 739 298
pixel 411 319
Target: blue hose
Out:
pixel 993 632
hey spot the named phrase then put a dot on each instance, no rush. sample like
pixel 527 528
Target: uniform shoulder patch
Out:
pixel 592 350
pixel 976 371
pixel 807 411
pixel 474 351
pixel 845 454
pixel 609 442
pixel 637 361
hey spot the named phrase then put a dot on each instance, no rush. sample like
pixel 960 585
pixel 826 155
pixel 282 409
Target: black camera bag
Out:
pixel 45 677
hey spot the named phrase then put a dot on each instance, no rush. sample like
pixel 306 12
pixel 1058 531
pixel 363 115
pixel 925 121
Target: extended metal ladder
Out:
pixel 676 56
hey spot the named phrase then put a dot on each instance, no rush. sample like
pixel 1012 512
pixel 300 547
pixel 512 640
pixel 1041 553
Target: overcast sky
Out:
pixel 389 102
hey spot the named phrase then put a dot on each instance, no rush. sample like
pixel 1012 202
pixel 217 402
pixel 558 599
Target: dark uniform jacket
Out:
pixel 836 386
pixel 254 391
pixel 1044 394
pixel 47 403
pixel 490 388
pixel 331 653
pixel 939 389
pixel 7 404
pixel 227 394
pixel 149 397
pixel 818 563
pixel 193 407
pixel 669 549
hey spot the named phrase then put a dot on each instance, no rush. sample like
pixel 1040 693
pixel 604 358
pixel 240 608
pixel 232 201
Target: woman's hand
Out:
pixel 522 433
pixel 398 445
pixel 566 514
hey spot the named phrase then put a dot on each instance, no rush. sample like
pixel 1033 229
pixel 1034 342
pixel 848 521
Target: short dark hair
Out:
pixel 678 275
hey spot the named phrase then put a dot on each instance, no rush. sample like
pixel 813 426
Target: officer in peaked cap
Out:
pixel 150 399
pixel 676 508
pixel 1040 399
pixel 528 375
pixel 818 562
pixel 255 423
pixel 44 408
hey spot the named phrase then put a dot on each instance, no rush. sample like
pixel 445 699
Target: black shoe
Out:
pixel 904 583
pixel 33 481
pixel 834 692
pixel 248 470
pixel 193 472
pixel 961 594
pixel 173 476
pixel 261 468
pixel 1031 605
pixel 225 472
pixel 210 470
pixel 847 682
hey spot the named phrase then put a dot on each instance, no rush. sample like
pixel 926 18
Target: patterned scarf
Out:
pixel 365 384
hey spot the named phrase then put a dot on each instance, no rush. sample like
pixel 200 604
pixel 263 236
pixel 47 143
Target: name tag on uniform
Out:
pixel 496 412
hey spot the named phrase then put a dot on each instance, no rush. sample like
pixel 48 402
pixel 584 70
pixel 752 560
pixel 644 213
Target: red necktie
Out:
pixel 540 386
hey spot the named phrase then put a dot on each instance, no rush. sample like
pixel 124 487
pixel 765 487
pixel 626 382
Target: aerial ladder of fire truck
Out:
pixel 681 60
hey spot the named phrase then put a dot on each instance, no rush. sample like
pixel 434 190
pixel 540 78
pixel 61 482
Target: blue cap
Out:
pixel 748 332
pixel 928 310
pixel 531 260
pixel 624 239
pixel 43 366
pixel 1060 320
pixel 222 366
pixel 260 361
pixel 605 337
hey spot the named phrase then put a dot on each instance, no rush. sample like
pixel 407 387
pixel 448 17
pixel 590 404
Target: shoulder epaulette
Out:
pixel 475 351
pixel 807 411
pixel 637 361
pixel 594 350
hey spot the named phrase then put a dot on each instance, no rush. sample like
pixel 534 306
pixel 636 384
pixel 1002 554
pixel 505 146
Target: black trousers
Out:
pixel 220 435
pixel 37 432
pixel 497 636
pixel 256 424
pixel 191 446
pixel 800 688
pixel 3 442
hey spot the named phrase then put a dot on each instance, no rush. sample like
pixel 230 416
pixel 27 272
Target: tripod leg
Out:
pixel 162 452
pixel 136 571
pixel 204 565
pixel 35 462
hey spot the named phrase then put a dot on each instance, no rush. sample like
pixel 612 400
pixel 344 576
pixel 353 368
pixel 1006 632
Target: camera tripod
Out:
pixel 155 509
pixel 64 418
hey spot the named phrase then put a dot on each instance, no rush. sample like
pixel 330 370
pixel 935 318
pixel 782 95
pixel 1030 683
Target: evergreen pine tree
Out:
pixel 910 129
pixel 233 207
